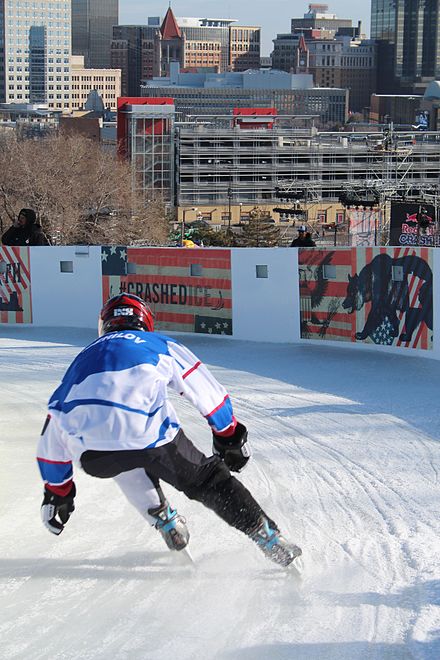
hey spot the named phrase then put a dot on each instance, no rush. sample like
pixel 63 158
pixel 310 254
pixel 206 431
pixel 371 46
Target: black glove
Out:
pixel 57 505
pixel 234 449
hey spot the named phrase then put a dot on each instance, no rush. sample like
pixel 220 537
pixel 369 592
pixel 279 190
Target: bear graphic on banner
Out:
pixel 384 283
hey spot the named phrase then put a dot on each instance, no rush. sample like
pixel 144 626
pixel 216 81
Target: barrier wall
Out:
pixel 368 298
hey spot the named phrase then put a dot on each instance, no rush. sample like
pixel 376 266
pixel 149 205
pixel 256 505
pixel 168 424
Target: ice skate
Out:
pixel 274 546
pixel 172 526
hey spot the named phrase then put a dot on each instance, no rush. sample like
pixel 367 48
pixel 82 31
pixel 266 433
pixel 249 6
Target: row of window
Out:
pixel 211 45
pixel 105 96
pixel 94 79
pixel 101 87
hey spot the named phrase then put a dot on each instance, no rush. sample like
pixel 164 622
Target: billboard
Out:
pixel 371 295
pixel 187 290
pixel 364 225
pixel 413 224
pixel 15 285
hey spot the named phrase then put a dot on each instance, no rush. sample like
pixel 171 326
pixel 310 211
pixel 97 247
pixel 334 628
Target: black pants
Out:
pixel 181 464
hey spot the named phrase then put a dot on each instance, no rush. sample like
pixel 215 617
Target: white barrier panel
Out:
pixel 66 286
pixel 63 286
pixel 265 294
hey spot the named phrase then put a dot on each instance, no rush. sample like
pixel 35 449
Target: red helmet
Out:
pixel 125 312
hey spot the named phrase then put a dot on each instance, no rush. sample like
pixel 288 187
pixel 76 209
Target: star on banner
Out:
pixel 114 260
pixel 212 325
pixel 384 333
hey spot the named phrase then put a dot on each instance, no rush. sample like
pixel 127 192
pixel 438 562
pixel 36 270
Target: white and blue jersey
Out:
pixel 114 397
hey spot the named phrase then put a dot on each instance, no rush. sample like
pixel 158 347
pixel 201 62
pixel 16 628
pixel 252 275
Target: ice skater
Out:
pixel 112 416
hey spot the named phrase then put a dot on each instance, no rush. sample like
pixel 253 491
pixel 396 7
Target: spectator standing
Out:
pixel 25 230
pixel 304 238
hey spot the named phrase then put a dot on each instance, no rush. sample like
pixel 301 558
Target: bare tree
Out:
pixel 82 194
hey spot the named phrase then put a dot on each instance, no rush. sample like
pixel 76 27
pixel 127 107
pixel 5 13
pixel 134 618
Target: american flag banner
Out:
pixel 187 290
pixel 399 309
pixel 323 277
pixel 15 285
pixel 374 295
pixel 114 260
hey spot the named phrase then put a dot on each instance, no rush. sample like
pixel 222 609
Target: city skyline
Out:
pixel 273 19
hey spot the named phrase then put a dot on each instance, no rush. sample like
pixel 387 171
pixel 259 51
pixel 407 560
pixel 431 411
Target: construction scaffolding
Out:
pixel 221 164
pixel 224 164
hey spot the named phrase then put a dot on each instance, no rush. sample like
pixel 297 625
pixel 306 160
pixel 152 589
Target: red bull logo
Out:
pixel 414 217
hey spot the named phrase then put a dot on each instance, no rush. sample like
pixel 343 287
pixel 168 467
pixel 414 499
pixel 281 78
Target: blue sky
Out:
pixel 273 16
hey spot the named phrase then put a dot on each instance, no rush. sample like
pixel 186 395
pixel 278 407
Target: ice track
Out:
pixel 346 459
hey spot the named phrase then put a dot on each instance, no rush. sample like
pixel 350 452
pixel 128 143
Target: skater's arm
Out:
pixel 56 471
pixel 191 378
pixel 53 460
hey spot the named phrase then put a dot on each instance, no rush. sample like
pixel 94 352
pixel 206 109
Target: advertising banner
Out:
pixel 364 225
pixel 405 228
pixel 372 295
pixel 187 290
pixel 15 285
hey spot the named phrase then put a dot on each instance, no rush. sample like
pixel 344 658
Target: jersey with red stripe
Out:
pixel 114 396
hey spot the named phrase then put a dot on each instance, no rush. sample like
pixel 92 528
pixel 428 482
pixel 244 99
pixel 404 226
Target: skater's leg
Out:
pixel 142 491
pixel 207 480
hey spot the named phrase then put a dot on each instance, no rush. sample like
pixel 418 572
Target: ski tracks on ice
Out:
pixel 347 491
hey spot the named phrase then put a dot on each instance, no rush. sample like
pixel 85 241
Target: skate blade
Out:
pixel 186 553
pixel 184 557
pixel 296 567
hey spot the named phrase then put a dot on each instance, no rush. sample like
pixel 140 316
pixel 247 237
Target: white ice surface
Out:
pixel 346 459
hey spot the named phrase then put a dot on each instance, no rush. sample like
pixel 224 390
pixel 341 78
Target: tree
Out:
pixel 210 237
pixel 81 193
pixel 259 231
pixel 202 234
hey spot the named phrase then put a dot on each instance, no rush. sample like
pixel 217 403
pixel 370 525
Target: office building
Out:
pixel 35 49
pixel 239 45
pixel 401 109
pixel 214 44
pixel 135 50
pixel 106 82
pixel 340 62
pixel 219 94
pixel 318 17
pixel 408 35
pixel 92 30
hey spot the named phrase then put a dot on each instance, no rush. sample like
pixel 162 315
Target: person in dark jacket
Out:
pixel 304 238
pixel 25 230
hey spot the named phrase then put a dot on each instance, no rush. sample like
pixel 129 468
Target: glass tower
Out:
pixel 35 49
pixel 408 34
pixel 92 30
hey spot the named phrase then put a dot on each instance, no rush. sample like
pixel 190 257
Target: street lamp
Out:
pixel 229 207
pixel 182 228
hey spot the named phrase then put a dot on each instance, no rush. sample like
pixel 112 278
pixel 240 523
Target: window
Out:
pixel 196 270
pixel 397 273
pixel 262 272
pixel 66 266
pixel 340 217
pixel 329 272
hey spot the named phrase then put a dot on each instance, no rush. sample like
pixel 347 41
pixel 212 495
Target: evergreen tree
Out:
pixel 208 237
pixel 259 231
